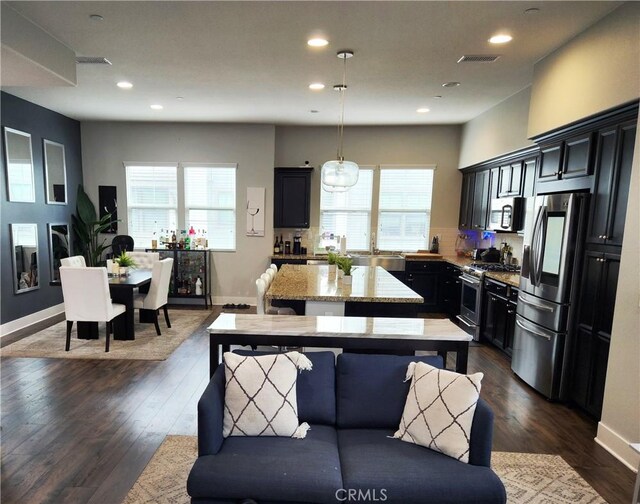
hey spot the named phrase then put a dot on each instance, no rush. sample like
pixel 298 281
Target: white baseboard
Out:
pixel 617 446
pixel 29 320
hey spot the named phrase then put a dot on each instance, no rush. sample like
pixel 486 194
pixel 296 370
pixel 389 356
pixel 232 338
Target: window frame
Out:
pixel 426 212
pixel 369 212
pixel 234 166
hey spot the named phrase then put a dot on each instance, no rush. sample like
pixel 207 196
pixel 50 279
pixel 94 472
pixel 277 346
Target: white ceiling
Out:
pixel 249 61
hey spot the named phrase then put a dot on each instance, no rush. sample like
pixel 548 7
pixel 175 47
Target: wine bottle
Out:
pixel 276 247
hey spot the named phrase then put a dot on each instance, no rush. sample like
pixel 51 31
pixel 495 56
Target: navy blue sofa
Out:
pixel 353 407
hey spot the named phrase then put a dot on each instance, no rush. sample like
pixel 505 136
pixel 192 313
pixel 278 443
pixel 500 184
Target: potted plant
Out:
pixel 125 262
pixel 87 228
pixel 332 258
pixel 345 264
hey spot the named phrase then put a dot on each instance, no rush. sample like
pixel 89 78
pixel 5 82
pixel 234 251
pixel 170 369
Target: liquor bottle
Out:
pixel 281 245
pixel 276 247
pixel 198 287
pixel 173 237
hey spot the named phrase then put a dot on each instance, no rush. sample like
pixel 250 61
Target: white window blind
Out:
pixel 210 203
pixel 152 201
pixel 404 208
pixel 349 213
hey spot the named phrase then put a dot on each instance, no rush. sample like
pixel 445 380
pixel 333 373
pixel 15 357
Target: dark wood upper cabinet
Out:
pixel 292 197
pixel 480 199
pixel 511 180
pixel 613 161
pixel 466 201
pixel 550 162
pixel 577 156
pixel 529 173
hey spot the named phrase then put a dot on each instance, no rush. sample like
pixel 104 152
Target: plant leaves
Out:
pixel 85 207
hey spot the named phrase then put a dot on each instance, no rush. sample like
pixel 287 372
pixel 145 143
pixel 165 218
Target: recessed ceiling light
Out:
pixel 532 10
pixel 317 42
pixel 422 110
pixel 180 98
pixel 124 85
pixel 438 96
pixel 96 17
pixel 501 38
pixel 451 84
pixel 316 86
pixel 156 106
pixel 314 111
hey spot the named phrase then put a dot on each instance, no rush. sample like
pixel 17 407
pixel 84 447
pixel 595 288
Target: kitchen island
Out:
pixel 314 290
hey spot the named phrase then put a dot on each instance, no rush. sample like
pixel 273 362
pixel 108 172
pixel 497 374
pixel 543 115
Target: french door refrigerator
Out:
pixel 550 269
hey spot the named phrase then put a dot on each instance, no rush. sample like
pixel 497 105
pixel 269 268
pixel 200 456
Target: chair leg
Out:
pixel 155 322
pixel 106 348
pixel 69 327
pixel 166 316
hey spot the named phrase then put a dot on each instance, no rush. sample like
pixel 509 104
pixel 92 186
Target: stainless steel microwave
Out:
pixel 505 214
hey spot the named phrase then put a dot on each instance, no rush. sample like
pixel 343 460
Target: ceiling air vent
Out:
pixel 92 60
pixel 478 58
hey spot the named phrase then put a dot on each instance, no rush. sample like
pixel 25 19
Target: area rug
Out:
pixel 528 477
pixel 147 346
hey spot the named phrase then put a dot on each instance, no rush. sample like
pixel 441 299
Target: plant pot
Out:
pixel 346 280
pixel 340 273
pixel 332 269
pixel 124 271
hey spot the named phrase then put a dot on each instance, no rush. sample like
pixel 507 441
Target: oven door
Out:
pixel 470 299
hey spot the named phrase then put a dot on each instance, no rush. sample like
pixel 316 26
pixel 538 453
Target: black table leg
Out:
pixel 214 355
pixel 125 297
pixel 443 354
pixel 462 356
pixel 87 330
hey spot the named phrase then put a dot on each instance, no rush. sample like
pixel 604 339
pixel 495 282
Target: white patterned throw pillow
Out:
pixel 260 395
pixel 439 410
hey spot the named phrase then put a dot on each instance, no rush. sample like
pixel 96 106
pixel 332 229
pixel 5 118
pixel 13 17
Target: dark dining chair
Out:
pixel 121 243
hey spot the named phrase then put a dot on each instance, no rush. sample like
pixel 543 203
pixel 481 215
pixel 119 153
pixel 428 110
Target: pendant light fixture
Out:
pixel 339 175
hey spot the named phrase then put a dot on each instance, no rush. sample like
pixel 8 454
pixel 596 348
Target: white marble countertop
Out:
pixel 314 283
pixel 323 326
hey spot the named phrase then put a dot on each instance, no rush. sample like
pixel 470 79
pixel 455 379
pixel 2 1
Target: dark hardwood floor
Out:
pixel 81 431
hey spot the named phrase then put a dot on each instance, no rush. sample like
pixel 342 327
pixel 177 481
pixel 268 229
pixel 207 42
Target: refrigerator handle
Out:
pixel 542 231
pixel 542 335
pixel 533 259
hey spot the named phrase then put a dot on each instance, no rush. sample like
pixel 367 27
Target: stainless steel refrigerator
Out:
pixel 548 283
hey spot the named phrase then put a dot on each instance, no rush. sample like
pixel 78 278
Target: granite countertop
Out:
pixel 314 283
pixel 512 279
pixel 320 257
pixel 322 326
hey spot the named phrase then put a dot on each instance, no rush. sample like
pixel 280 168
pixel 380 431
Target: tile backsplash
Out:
pixel 468 240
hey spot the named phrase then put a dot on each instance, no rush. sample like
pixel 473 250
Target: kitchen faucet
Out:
pixel 374 250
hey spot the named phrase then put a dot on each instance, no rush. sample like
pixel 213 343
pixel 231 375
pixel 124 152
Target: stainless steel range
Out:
pixel 471 297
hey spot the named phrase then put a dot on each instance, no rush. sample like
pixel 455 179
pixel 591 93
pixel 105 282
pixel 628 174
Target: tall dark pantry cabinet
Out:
pixel 613 155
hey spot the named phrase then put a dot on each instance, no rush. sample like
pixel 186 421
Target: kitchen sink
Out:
pixel 388 262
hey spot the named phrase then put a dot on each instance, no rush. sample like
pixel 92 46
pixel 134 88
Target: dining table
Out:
pixel 122 290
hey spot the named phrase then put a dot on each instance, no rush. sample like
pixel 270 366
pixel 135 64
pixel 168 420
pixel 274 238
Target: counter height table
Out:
pixel 313 290
pixel 349 333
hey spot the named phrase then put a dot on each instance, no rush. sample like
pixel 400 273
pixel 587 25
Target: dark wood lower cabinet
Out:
pixel 510 327
pixel 499 314
pixel 423 277
pixel 592 334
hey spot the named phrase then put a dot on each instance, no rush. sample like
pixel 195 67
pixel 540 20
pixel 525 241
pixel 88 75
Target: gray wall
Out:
pixel 106 145
pixel 41 123
pixel 373 145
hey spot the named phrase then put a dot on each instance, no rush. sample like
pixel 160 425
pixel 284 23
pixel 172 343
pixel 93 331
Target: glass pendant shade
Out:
pixel 339 173
pixel 329 188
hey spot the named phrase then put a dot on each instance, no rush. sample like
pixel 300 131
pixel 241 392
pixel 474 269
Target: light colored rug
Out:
pixel 528 477
pixel 147 346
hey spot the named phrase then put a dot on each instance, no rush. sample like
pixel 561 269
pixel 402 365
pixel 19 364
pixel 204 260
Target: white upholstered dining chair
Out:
pixel 87 298
pixel 271 273
pixel 158 294
pixel 273 267
pixel 262 308
pixel 77 261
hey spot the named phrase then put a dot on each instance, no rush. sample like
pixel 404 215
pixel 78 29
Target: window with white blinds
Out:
pixel 349 213
pixel 210 203
pixel 152 201
pixel 404 209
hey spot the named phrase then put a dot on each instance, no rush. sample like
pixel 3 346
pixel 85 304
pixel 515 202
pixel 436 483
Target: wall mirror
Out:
pixel 56 173
pixel 24 243
pixel 59 248
pixel 19 166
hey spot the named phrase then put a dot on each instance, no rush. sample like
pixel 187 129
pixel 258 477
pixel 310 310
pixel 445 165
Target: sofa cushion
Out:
pixel 439 410
pixel 260 395
pixel 271 469
pixel 371 391
pixel 410 473
pixel 316 390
